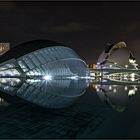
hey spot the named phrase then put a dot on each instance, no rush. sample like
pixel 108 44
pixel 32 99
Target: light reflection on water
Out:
pixel 117 96
pixel 62 108
pixel 64 93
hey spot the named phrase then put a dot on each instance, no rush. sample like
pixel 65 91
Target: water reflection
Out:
pixel 29 119
pixel 116 96
pixel 52 93
pixel 64 92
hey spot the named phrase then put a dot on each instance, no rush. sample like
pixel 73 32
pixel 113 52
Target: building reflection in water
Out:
pixel 54 76
pixel 63 93
pixel 116 96
pixel 51 93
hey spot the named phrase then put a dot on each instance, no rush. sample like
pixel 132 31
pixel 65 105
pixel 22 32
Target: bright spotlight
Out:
pixel 47 77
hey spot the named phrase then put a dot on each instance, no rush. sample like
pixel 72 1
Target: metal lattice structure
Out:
pixel 33 75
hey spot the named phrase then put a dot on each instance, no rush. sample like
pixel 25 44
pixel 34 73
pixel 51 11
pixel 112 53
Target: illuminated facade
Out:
pixel 118 56
pixel 51 75
pixel 4 47
pixel 110 57
pixel 43 72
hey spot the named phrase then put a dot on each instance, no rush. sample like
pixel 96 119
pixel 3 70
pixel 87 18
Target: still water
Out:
pixel 70 109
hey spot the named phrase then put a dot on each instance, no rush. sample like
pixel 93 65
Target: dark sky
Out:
pixel 84 26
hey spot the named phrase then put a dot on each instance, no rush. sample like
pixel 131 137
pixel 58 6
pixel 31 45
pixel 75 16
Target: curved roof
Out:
pixel 116 53
pixel 27 47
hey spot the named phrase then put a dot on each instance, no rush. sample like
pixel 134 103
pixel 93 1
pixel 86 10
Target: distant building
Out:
pixel 92 66
pixel 117 56
pixel 4 47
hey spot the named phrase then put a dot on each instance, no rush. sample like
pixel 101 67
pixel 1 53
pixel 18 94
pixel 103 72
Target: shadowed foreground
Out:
pixel 87 118
pixel 25 120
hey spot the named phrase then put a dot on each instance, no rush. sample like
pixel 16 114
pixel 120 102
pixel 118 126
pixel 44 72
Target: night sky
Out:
pixel 84 26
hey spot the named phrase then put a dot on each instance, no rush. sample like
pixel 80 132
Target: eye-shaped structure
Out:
pixel 46 61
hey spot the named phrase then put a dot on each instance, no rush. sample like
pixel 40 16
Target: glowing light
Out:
pixel 132 75
pixel 97 89
pixel 132 79
pixel 86 77
pixel 74 77
pixel 126 66
pixel 125 88
pixel 131 92
pixel 92 74
pixel 114 90
pixel 104 81
pixel 47 77
pixel 110 87
pixel 132 61
pixel 33 80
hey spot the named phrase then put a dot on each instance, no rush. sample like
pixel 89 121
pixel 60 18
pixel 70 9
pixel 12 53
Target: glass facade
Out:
pixel 55 61
pixel 49 76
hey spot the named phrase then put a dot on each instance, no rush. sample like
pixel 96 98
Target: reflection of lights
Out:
pixel 30 73
pixel 131 92
pixel 87 84
pixel 47 77
pixel 135 88
pixel 74 77
pixel 97 89
pixel 6 88
pixel 11 81
pixel 9 72
pixel 125 76
pixel 92 78
pixel 1 99
pixel 110 87
pixel 92 74
pixel 126 66
pixel 85 77
pixel 132 75
pixel 33 80
pixel 96 86
pixel 114 90
pixel 110 66
pixel 132 79
pixel 104 81
pixel 125 88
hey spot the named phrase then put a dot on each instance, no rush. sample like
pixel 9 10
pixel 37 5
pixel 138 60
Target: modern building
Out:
pixel 51 75
pixel 30 71
pixel 117 56
pixel 120 59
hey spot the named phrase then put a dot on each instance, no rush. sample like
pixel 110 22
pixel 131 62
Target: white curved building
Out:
pixel 31 70
pixel 117 56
